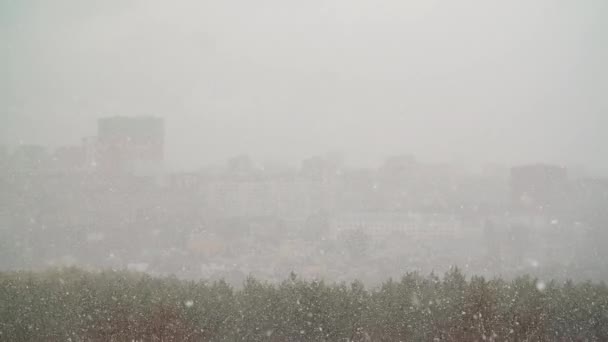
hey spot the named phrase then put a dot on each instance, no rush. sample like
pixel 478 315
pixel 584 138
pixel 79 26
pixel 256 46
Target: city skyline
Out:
pixel 346 156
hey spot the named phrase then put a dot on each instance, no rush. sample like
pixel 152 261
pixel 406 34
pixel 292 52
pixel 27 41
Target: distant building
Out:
pixel 133 145
pixel 382 224
pixel 69 158
pixel 591 200
pixel 399 165
pixel 29 158
pixel 322 168
pixel 538 187
pixel 4 157
pixel 241 167
pixel 91 153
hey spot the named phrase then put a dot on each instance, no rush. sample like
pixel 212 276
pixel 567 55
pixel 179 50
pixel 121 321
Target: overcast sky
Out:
pixel 477 80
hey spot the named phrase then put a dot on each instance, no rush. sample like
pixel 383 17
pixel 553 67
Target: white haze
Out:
pixel 475 80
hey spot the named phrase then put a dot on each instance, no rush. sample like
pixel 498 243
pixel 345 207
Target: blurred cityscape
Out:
pixel 108 202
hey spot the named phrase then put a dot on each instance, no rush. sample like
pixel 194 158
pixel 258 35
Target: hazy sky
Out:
pixel 505 81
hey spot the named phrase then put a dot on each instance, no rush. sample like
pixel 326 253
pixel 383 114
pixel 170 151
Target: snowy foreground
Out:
pixel 74 305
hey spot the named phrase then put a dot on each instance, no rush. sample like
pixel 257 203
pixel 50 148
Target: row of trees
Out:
pixel 75 305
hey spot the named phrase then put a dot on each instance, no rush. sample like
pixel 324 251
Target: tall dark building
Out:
pixel 131 144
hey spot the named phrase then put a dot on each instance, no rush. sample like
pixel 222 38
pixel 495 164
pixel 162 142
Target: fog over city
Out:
pixel 499 81
pixel 236 152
